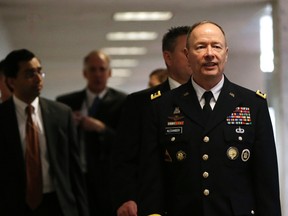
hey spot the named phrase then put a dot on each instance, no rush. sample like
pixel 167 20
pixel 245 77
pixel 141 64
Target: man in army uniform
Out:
pixel 216 138
pixel 130 188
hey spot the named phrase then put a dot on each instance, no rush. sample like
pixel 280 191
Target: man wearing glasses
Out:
pixel 40 168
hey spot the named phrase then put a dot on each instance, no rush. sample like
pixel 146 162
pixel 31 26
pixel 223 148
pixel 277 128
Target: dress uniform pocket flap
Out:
pixel 243 134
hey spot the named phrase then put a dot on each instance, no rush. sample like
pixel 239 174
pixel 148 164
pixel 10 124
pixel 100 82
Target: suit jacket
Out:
pixel 131 179
pixel 62 150
pixel 98 146
pixel 227 166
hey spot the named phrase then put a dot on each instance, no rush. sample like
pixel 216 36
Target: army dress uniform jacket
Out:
pixel 227 167
pixel 132 179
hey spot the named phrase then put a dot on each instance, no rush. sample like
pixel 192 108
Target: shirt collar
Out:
pixel 173 83
pixel 21 106
pixel 91 96
pixel 215 90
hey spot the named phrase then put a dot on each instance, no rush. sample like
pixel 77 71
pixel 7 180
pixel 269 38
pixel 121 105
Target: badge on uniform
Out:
pixel 245 155
pixel 155 95
pixel 240 116
pixel 175 118
pixel 180 155
pixel 167 157
pixel 232 153
pixel 174 130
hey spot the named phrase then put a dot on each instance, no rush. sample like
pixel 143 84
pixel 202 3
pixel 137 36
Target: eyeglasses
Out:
pixel 32 73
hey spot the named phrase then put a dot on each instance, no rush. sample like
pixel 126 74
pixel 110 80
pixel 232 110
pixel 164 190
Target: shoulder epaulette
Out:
pixel 262 95
pixel 155 95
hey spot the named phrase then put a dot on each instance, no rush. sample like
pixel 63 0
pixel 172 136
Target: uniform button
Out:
pixel 252 212
pixel 205 174
pixel 240 138
pixel 173 139
pixel 205 157
pixel 206 192
pixel 206 139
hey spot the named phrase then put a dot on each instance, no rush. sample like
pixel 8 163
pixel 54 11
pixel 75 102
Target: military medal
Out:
pixel 240 116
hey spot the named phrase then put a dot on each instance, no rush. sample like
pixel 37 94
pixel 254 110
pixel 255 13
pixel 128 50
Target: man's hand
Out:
pixel 77 117
pixel 92 124
pixel 127 209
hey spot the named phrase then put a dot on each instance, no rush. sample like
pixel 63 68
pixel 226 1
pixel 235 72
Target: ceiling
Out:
pixel 62 32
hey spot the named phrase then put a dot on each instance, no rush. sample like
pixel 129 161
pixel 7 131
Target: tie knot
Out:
pixel 207 96
pixel 29 109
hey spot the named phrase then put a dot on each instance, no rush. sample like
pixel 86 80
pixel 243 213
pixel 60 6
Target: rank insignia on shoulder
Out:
pixel 155 95
pixel 259 93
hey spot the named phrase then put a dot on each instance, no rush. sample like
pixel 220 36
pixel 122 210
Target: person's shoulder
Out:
pixel 54 105
pixel 249 94
pixel 149 94
pixel 70 95
pixel 117 93
pixel 6 106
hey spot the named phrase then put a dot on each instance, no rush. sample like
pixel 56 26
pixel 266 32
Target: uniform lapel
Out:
pixel 188 103
pixel 225 105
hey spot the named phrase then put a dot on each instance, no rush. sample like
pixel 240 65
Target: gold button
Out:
pixel 173 139
pixel 205 174
pixel 206 192
pixel 205 157
pixel 206 139
pixel 240 138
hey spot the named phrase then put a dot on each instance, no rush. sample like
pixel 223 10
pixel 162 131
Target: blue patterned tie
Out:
pixel 93 109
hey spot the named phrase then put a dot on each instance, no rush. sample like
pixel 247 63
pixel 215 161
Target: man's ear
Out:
pixel 84 72
pixel 186 52
pixel 167 57
pixel 110 72
pixel 226 58
pixel 10 83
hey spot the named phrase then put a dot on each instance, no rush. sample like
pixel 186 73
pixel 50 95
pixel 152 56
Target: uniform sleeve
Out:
pixel 266 180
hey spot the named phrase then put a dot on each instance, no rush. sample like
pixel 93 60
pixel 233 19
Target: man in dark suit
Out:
pixel 131 195
pixel 5 93
pixel 96 110
pixel 40 175
pixel 216 138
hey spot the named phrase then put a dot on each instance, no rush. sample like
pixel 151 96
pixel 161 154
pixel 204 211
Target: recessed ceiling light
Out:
pixel 124 63
pixel 131 36
pixel 143 16
pixel 121 72
pixel 125 50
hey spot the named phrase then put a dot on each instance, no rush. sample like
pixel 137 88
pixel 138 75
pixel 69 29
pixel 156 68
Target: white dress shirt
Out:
pixel 215 91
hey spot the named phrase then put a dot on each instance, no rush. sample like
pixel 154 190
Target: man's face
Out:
pixel 207 53
pixel 153 81
pixel 28 83
pixel 97 72
pixel 176 61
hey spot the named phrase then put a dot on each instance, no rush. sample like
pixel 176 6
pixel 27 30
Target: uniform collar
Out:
pixel 215 90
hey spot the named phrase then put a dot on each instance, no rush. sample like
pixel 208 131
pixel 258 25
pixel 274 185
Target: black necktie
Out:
pixel 33 162
pixel 93 109
pixel 207 108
